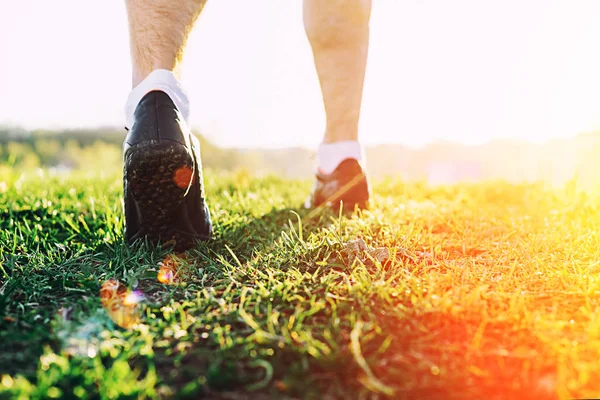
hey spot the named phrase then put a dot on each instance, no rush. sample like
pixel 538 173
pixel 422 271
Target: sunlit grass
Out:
pixel 489 290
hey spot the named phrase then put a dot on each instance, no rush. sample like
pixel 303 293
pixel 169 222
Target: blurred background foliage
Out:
pixel 100 149
pixel 555 161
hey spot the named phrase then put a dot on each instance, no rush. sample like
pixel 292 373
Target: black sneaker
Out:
pixel 347 185
pixel 162 178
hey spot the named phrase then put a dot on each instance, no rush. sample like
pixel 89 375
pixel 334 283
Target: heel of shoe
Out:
pixel 157 178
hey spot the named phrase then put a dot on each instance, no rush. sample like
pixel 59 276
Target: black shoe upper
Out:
pixel 157 118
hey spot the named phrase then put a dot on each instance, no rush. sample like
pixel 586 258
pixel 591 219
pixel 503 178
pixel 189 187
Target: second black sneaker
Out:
pixel 162 178
pixel 347 185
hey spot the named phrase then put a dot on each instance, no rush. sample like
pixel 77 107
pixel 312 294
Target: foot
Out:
pixel 347 185
pixel 162 179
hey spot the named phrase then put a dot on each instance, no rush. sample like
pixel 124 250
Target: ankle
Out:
pixel 342 133
pixel 162 80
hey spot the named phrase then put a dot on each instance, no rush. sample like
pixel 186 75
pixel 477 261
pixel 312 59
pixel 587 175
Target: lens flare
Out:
pixel 183 177
pixel 121 305
pixel 171 269
pixel 165 275
pixel 133 299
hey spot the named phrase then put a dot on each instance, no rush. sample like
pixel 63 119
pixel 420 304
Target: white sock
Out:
pixel 163 80
pixel 330 155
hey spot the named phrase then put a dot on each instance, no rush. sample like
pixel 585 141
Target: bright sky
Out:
pixel 459 70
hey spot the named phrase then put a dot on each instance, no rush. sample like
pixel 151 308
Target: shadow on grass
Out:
pixel 261 232
pixel 62 269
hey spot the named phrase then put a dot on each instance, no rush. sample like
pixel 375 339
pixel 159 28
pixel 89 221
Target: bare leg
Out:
pixel 158 30
pixel 338 32
pixel 162 182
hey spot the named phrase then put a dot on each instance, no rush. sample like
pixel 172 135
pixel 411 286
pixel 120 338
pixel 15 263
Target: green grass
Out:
pixel 490 290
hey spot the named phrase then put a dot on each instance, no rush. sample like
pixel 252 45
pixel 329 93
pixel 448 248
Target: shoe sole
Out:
pixel 159 175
